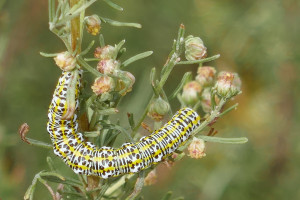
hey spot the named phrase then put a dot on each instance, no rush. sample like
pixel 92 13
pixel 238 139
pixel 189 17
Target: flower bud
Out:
pixel 196 148
pixel 194 48
pixel 103 84
pixel 206 100
pixel 191 92
pixel 65 61
pixel 92 24
pixel 126 81
pixel 108 66
pixel 103 53
pixel 206 76
pixel 228 84
pixel 158 109
pixel 151 178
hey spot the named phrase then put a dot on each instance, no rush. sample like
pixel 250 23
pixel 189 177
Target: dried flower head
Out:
pixel 108 66
pixel 151 178
pixel 196 148
pixel 194 48
pixel 228 84
pixel 191 92
pixel 105 52
pixel 92 24
pixel 125 83
pixel 206 76
pixel 158 109
pixel 206 100
pixel 65 61
pixel 103 84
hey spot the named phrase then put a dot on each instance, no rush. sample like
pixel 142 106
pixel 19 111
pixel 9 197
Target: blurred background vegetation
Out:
pixel 258 39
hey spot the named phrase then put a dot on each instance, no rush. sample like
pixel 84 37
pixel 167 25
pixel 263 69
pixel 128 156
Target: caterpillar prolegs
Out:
pixel 85 158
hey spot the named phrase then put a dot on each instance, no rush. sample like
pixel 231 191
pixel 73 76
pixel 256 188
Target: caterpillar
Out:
pixel 85 158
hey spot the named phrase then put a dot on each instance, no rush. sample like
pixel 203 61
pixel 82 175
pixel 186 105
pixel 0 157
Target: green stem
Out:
pixel 229 109
pixel 215 113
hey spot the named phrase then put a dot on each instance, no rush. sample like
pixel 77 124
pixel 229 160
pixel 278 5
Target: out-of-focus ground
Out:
pixel 258 39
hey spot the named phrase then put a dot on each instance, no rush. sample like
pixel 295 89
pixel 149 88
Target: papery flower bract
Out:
pixel 228 84
pixel 191 92
pixel 103 84
pixel 65 61
pixel 92 24
pixel 108 66
pixel 194 48
pixel 206 100
pixel 206 76
pixel 105 52
pixel 196 148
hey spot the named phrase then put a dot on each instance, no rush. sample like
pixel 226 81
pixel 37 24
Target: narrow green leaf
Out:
pixel 113 5
pixel 229 109
pixel 199 61
pixel 119 128
pixel 167 196
pixel 137 57
pixel 51 164
pixel 131 120
pixel 30 191
pixel 101 40
pixel 180 39
pixel 186 77
pixel 88 67
pixel 121 52
pixel 117 48
pixel 48 55
pixel 117 23
pixel 112 138
pixel 91 59
pixel 51 6
pixel 181 101
pixel 179 198
pixel 152 76
pixel 73 182
pixel 39 143
pixel 103 190
pixel 239 140
pixel 74 13
pixel 72 195
pixel 92 134
pixel 88 48
pixel 109 111
pixel 153 82
pixel 52 177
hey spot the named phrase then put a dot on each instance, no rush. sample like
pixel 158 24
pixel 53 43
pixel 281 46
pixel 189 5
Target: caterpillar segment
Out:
pixel 85 158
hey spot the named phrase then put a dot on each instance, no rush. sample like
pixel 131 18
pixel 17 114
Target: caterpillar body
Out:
pixel 85 158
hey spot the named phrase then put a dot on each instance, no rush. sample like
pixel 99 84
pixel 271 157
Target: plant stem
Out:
pixel 75 29
pixel 76 36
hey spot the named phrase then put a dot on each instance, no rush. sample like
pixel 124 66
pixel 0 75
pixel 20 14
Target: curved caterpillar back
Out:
pixel 85 158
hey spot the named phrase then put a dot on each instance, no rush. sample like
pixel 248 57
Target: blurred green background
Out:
pixel 258 39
